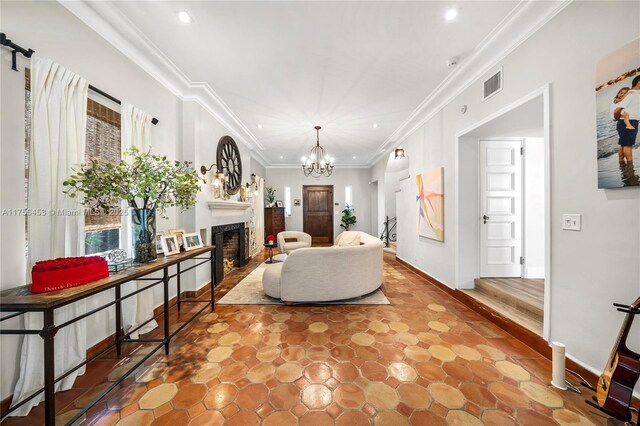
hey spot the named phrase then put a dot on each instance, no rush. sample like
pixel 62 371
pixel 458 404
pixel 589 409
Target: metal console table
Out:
pixel 20 300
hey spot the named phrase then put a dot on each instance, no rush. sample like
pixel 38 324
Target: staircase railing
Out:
pixel 389 232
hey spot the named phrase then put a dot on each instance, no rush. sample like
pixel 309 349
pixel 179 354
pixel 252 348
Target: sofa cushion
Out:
pixel 295 245
pixel 271 280
pixel 349 238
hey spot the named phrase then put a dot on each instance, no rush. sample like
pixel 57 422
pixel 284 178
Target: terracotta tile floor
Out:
pixel 426 360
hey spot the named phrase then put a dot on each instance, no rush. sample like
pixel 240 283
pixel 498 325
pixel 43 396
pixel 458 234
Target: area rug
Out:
pixel 249 292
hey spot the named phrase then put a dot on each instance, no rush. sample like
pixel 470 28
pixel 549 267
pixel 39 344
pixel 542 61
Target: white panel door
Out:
pixel 500 208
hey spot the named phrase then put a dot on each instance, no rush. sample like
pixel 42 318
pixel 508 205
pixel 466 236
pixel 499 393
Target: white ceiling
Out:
pixel 342 65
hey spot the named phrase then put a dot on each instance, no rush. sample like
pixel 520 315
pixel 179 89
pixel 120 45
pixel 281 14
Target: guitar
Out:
pixel 615 386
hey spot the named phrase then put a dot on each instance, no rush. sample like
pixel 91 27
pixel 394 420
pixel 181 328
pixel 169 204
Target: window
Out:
pixel 347 196
pixel 287 200
pixel 102 232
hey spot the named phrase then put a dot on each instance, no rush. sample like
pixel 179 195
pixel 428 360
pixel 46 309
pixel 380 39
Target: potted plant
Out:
pixel 348 218
pixel 270 196
pixel 147 182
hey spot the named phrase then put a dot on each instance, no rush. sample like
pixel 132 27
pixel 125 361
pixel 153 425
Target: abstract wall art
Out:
pixel 430 203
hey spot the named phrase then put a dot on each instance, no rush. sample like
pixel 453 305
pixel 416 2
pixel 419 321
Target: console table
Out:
pixel 20 300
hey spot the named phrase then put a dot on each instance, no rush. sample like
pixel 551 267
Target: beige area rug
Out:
pixel 249 292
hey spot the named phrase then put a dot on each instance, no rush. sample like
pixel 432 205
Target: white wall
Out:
pixel 590 269
pixel 534 208
pixel 359 180
pixel 53 32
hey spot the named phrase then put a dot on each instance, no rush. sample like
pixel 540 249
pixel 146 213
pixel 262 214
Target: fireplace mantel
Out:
pixel 227 207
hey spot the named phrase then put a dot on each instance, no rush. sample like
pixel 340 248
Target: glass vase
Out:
pixel 143 232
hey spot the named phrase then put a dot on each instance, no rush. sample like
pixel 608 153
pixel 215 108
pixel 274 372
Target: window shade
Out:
pixel 103 145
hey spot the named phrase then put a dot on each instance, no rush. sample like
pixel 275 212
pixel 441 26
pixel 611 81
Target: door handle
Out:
pixel 485 218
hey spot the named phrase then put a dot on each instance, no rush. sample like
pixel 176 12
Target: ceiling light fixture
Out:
pixel 259 126
pixel 451 14
pixel 184 17
pixel 319 162
pixel 375 125
pixel 281 157
pixel 354 157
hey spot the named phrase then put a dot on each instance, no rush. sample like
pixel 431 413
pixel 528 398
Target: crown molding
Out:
pixel 118 30
pixel 521 23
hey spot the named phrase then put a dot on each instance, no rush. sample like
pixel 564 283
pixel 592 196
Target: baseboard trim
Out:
pixel 526 336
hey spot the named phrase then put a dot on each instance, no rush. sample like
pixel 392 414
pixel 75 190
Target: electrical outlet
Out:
pixel 572 222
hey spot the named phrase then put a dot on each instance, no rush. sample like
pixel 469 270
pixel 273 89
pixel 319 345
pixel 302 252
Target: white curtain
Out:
pixel 136 132
pixel 258 209
pixel 58 138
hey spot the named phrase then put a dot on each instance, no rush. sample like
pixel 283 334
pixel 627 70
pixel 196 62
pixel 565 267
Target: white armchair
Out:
pixel 302 240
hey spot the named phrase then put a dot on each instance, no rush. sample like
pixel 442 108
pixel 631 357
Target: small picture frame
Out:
pixel 159 236
pixel 296 202
pixel 192 241
pixel 170 245
pixel 279 203
pixel 178 233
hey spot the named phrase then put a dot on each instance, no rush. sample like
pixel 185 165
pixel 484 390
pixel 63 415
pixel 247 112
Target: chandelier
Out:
pixel 319 163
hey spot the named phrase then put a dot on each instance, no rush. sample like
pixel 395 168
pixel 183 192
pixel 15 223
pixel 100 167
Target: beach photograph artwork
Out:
pixel 430 203
pixel 617 166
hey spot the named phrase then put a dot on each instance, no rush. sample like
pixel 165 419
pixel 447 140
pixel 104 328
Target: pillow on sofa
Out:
pixel 290 240
pixel 349 238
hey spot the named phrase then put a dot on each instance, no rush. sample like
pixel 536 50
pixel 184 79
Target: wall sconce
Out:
pixel 399 152
pixel 219 177
pixel 253 185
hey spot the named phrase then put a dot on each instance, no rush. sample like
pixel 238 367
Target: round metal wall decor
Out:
pixel 230 163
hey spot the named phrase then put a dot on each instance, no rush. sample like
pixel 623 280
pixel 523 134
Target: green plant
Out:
pixel 147 181
pixel 269 195
pixel 348 218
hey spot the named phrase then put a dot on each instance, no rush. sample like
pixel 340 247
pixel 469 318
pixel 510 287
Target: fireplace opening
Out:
pixel 230 250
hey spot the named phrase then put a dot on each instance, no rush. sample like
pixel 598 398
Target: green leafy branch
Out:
pixel 145 181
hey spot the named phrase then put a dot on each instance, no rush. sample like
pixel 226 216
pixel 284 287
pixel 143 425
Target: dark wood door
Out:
pixel 317 202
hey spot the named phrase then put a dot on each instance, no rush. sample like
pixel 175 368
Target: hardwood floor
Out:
pixel 519 299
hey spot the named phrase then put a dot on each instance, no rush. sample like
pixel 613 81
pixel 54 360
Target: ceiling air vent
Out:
pixel 492 85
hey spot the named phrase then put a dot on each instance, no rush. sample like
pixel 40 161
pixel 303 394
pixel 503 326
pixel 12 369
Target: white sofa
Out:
pixel 323 274
pixel 303 240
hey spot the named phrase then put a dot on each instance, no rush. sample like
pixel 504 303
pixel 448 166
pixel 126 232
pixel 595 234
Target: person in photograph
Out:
pixel 171 244
pixel 630 104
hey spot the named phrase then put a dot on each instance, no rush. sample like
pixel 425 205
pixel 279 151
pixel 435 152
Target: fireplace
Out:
pixel 231 245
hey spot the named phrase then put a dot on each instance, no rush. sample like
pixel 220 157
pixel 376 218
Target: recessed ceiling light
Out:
pixel 281 157
pixel 184 17
pixel 259 126
pixel 375 125
pixel 354 157
pixel 451 14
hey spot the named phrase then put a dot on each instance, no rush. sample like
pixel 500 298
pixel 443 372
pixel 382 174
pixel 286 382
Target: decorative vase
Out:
pixel 143 235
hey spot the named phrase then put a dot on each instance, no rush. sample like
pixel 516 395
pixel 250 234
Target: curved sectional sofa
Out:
pixel 323 274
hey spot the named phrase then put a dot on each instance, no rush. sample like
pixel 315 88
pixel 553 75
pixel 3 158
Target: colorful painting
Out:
pixel 617 117
pixel 430 200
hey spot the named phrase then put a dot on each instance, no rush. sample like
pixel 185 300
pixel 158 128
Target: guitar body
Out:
pixel 614 389
pixel 615 385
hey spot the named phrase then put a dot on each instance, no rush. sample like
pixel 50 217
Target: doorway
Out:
pixel 317 219
pixel 502 212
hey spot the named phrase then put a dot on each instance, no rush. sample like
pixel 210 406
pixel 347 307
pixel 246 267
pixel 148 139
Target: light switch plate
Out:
pixel 572 222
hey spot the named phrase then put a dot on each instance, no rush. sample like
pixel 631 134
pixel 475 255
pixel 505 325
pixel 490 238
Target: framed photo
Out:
pixel 296 202
pixel 279 203
pixel 159 236
pixel 192 241
pixel 170 245
pixel 178 233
